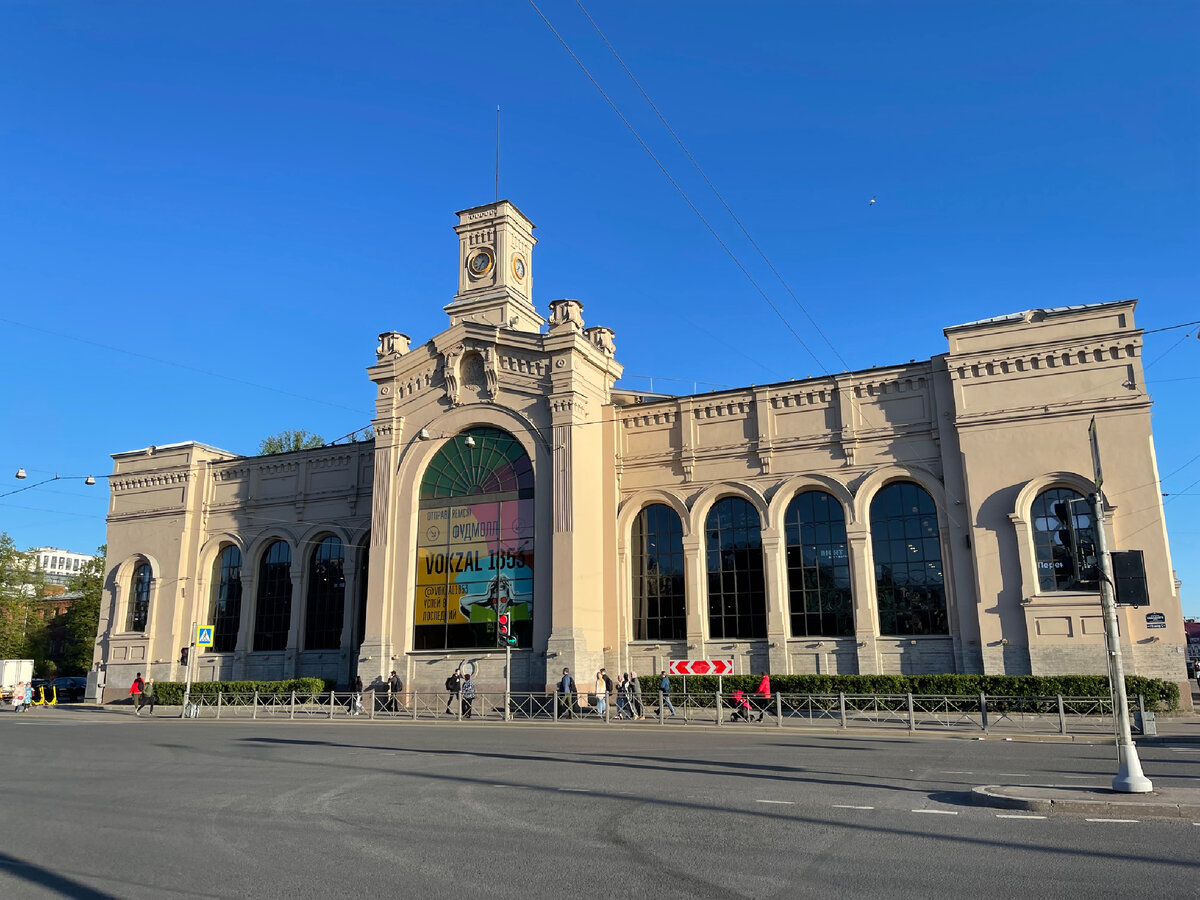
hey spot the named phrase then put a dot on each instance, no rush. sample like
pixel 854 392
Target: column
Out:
pixel 775 563
pixel 862 581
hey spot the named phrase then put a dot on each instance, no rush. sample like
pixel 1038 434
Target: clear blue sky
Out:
pixel 254 190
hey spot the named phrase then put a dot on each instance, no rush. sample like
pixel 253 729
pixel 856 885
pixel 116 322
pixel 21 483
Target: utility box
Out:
pixel 1145 724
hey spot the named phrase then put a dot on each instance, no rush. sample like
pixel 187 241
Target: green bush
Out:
pixel 170 693
pixel 1160 695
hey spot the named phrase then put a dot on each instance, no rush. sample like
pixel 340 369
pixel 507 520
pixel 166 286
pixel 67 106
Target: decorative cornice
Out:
pixel 158 479
pixel 1044 359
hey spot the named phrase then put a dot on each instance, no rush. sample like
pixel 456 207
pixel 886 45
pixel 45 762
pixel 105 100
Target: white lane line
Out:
pixel 1016 816
pixel 575 790
pixel 1080 776
pixel 1131 821
pixel 848 806
pixel 1184 749
pixel 782 802
pixel 953 772
pixel 1014 774
pixel 937 812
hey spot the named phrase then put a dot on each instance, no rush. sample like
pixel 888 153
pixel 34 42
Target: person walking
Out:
pixel 635 687
pixel 356 700
pixel 664 687
pixel 623 697
pixel 135 694
pixel 395 688
pixel 29 694
pixel 148 694
pixel 601 689
pixel 566 690
pixel 18 697
pixel 468 696
pixel 762 696
pixel 453 685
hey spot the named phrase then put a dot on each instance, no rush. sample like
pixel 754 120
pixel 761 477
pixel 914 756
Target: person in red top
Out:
pixel 741 707
pixel 135 694
pixel 762 696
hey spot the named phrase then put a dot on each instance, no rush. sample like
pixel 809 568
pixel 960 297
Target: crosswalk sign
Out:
pixel 204 635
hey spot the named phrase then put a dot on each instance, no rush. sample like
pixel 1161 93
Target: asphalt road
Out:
pixel 107 805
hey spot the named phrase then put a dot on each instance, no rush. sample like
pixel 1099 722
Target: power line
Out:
pixel 682 193
pixel 713 187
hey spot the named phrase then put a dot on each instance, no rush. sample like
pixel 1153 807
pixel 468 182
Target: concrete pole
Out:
pixel 1129 778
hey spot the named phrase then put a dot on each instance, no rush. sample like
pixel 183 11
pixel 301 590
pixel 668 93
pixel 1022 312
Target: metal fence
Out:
pixel 908 712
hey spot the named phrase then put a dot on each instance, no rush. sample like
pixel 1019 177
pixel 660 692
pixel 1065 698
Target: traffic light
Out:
pixel 504 635
pixel 183 655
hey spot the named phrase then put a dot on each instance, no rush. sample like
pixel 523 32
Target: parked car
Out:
pixel 70 688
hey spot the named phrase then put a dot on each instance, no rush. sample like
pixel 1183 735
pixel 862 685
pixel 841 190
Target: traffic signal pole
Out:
pixel 1129 778
pixel 187 688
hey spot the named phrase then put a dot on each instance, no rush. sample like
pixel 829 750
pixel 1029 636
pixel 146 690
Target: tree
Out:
pixel 22 586
pixel 287 441
pixel 81 621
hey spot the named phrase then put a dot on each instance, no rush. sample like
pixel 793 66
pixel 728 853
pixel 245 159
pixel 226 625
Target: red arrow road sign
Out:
pixel 701 667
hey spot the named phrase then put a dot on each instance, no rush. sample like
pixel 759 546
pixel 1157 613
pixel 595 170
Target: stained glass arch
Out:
pixel 496 464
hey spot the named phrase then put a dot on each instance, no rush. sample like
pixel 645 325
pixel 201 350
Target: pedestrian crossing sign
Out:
pixel 204 636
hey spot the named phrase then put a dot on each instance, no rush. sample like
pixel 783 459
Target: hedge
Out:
pixel 1160 695
pixel 170 693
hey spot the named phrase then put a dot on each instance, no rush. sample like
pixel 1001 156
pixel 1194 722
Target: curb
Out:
pixel 1160 809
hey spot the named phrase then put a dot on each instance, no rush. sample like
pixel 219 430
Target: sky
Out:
pixel 209 211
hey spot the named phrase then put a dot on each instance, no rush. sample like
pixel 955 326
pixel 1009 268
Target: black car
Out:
pixel 70 688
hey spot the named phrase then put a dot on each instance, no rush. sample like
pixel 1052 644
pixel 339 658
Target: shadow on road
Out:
pixel 34 874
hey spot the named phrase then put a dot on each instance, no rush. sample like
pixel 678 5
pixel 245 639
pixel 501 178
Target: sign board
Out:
pixel 1156 620
pixel 204 635
pixel 701 667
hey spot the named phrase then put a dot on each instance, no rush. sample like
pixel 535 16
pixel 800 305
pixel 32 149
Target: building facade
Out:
pixel 60 566
pixel 913 518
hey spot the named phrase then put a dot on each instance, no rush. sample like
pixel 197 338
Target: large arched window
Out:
pixel 737 595
pixel 364 571
pixel 820 603
pixel 659 612
pixel 475 543
pixel 273 611
pixel 1062 520
pixel 139 599
pixel 226 613
pixel 909 583
pixel 326 596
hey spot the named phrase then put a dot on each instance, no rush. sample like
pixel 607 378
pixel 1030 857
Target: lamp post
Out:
pixel 21 475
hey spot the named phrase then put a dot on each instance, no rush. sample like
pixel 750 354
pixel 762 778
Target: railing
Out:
pixel 906 712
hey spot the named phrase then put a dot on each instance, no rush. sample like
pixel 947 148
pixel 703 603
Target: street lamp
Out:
pixel 22 475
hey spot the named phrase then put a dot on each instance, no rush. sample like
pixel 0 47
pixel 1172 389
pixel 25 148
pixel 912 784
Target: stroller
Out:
pixel 741 706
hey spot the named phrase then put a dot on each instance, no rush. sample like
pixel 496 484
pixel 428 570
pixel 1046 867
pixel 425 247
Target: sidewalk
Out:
pixel 1167 803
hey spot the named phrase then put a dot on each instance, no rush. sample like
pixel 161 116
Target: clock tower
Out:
pixel 495 268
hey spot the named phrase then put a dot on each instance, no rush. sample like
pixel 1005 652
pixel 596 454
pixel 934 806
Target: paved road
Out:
pixel 113 806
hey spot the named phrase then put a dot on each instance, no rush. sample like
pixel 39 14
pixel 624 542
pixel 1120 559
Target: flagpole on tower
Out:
pixel 497 153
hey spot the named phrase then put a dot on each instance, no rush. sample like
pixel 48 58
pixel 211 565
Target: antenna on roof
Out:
pixel 497 153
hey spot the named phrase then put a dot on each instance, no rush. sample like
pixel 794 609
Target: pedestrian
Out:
pixel 608 683
pixel 741 706
pixel 29 695
pixel 566 689
pixel 148 694
pixel 356 702
pixel 18 697
pixel 453 685
pixel 664 687
pixel 623 697
pixel 135 694
pixel 762 696
pixel 468 696
pixel 601 689
pixel 395 688
pixel 635 686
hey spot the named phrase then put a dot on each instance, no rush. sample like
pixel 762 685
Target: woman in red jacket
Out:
pixel 762 697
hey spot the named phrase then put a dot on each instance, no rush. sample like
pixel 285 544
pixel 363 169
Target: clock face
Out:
pixel 480 262
pixel 519 266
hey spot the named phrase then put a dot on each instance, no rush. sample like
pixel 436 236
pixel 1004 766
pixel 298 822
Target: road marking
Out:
pixel 848 806
pixel 1132 821
pixel 1184 749
pixel 1080 776
pixel 784 802
pixel 575 790
pixel 937 812
pixel 1016 816
pixel 1014 774
pixel 952 772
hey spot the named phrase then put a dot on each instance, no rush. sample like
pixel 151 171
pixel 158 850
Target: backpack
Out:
pixel 608 685
pixel 451 683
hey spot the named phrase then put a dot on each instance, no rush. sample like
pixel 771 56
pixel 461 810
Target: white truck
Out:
pixel 12 673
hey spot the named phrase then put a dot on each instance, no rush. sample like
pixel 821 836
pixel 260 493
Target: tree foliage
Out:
pixel 289 440
pixel 22 586
pixel 81 621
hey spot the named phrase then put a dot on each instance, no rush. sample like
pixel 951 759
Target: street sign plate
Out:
pixel 204 635
pixel 701 667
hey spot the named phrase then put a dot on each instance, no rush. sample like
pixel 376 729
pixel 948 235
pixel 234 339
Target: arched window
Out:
pixel 737 596
pixel 819 599
pixel 326 596
pixel 226 614
pixel 659 612
pixel 364 570
pixel 139 599
pixel 273 611
pixel 909 583
pixel 1062 520
pixel 475 543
